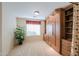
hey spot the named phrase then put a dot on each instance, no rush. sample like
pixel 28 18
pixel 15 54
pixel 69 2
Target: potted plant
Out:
pixel 19 34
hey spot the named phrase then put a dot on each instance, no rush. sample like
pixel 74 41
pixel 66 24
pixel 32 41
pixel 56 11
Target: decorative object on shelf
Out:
pixel 19 34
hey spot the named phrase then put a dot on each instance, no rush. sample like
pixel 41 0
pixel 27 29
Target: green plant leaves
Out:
pixel 19 34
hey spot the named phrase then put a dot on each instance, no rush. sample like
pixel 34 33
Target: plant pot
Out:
pixel 20 43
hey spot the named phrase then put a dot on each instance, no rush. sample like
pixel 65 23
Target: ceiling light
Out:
pixel 36 12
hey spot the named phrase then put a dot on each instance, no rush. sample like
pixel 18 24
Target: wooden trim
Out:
pixel 68 7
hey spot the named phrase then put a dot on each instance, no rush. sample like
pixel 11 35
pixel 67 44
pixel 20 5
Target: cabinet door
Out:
pixel 57 17
pixel 49 29
pixel 52 40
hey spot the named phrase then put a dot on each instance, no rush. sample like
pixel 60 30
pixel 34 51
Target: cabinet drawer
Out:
pixel 65 52
pixel 66 43
pixel 66 47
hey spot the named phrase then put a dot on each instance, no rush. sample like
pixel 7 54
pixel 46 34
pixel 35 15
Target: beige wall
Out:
pixel 8 27
pixel 0 28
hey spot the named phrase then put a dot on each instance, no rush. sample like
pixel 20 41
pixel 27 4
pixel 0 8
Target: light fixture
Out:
pixel 36 13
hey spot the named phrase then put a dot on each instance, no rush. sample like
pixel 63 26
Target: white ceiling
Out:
pixel 26 9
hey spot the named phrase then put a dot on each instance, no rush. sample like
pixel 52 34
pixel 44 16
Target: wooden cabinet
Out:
pixel 53 36
pixel 68 31
pixel 66 47
pixel 59 17
pixel 64 30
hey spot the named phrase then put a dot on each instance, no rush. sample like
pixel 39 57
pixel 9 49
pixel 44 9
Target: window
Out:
pixel 32 29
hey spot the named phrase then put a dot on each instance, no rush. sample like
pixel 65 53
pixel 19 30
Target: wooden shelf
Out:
pixel 68 27
pixel 69 39
pixel 68 33
pixel 69 14
pixel 68 21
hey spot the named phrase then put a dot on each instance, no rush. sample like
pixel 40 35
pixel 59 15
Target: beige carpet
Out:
pixel 33 48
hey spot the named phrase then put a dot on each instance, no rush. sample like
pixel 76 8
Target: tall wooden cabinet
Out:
pixel 54 27
pixel 49 35
pixel 59 17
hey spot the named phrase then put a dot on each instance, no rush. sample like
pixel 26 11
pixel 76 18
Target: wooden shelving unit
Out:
pixel 69 14
pixel 68 22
